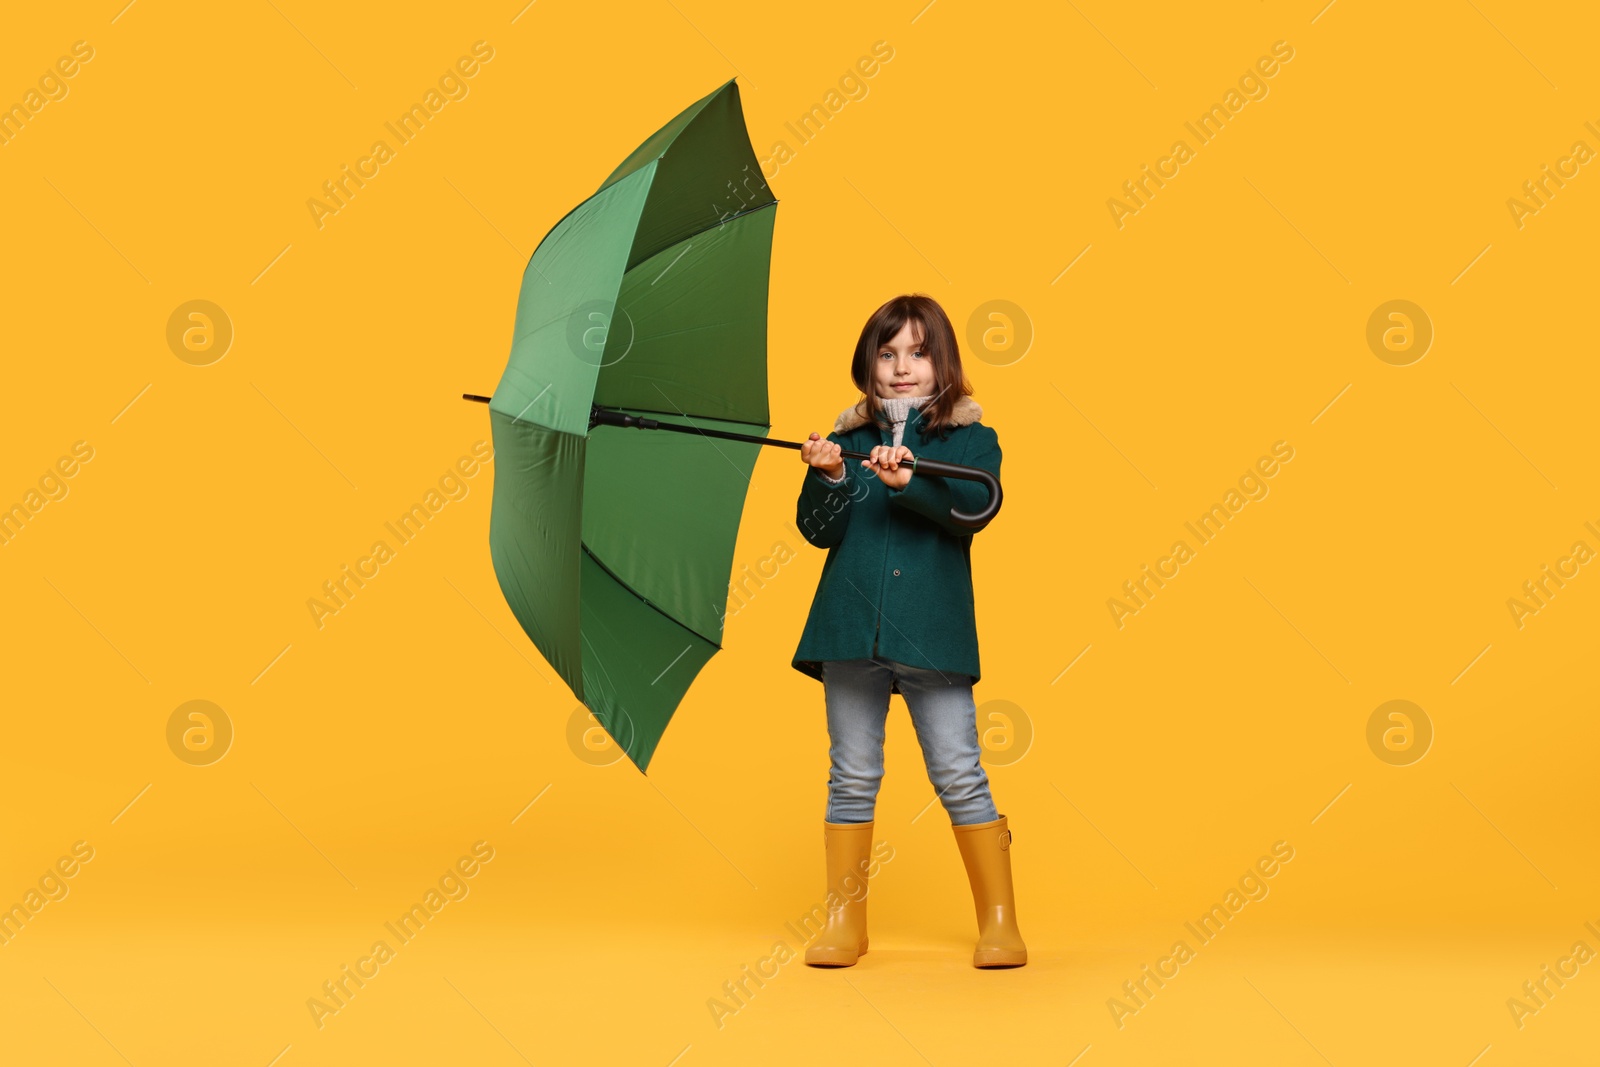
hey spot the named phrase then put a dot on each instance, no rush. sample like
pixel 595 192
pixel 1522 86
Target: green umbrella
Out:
pixel 646 303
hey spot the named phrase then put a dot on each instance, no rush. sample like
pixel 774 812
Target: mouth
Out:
pixel 905 385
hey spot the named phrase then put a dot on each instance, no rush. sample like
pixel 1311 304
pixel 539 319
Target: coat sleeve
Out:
pixel 932 496
pixel 823 511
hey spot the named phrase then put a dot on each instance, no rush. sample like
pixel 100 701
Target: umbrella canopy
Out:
pixel 614 547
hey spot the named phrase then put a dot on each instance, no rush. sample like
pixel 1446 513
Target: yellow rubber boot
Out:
pixel 986 851
pixel 844 938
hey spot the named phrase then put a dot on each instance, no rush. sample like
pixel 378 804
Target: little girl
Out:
pixel 893 613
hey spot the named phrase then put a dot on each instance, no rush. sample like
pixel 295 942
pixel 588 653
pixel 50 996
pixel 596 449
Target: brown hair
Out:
pixel 938 342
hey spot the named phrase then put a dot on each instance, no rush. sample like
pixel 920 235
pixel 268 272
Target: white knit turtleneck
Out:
pixel 898 409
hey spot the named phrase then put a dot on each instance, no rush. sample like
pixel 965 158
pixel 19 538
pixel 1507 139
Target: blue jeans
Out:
pixel 946 721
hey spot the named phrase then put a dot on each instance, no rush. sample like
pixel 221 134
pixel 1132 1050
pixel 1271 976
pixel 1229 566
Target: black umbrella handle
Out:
pixel 971 474
pixel 599 416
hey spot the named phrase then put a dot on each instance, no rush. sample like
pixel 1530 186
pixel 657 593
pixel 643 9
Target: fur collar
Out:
pixel 966 411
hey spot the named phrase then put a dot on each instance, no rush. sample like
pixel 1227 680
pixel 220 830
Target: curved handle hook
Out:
pixel 972 474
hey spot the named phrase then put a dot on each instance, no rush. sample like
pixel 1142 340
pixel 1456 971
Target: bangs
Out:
pixel 893 324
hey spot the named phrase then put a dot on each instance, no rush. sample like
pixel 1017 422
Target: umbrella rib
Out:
pixel 769 205
pixel 646 600
pixel 773 203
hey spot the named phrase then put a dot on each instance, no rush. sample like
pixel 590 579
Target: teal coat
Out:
pixel 897 583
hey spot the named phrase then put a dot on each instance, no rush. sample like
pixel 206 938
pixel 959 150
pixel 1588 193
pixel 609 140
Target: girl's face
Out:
pixel 902 367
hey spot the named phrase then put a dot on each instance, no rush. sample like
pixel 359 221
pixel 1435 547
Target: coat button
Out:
pixel 897 574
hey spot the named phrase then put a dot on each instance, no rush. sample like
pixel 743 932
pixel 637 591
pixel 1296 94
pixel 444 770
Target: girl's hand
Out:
pixel 818 452
pixel 885 460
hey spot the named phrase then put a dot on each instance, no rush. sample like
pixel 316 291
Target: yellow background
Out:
pixel 1229 313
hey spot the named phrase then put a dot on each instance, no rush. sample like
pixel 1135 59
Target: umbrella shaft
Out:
pixel 601 417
